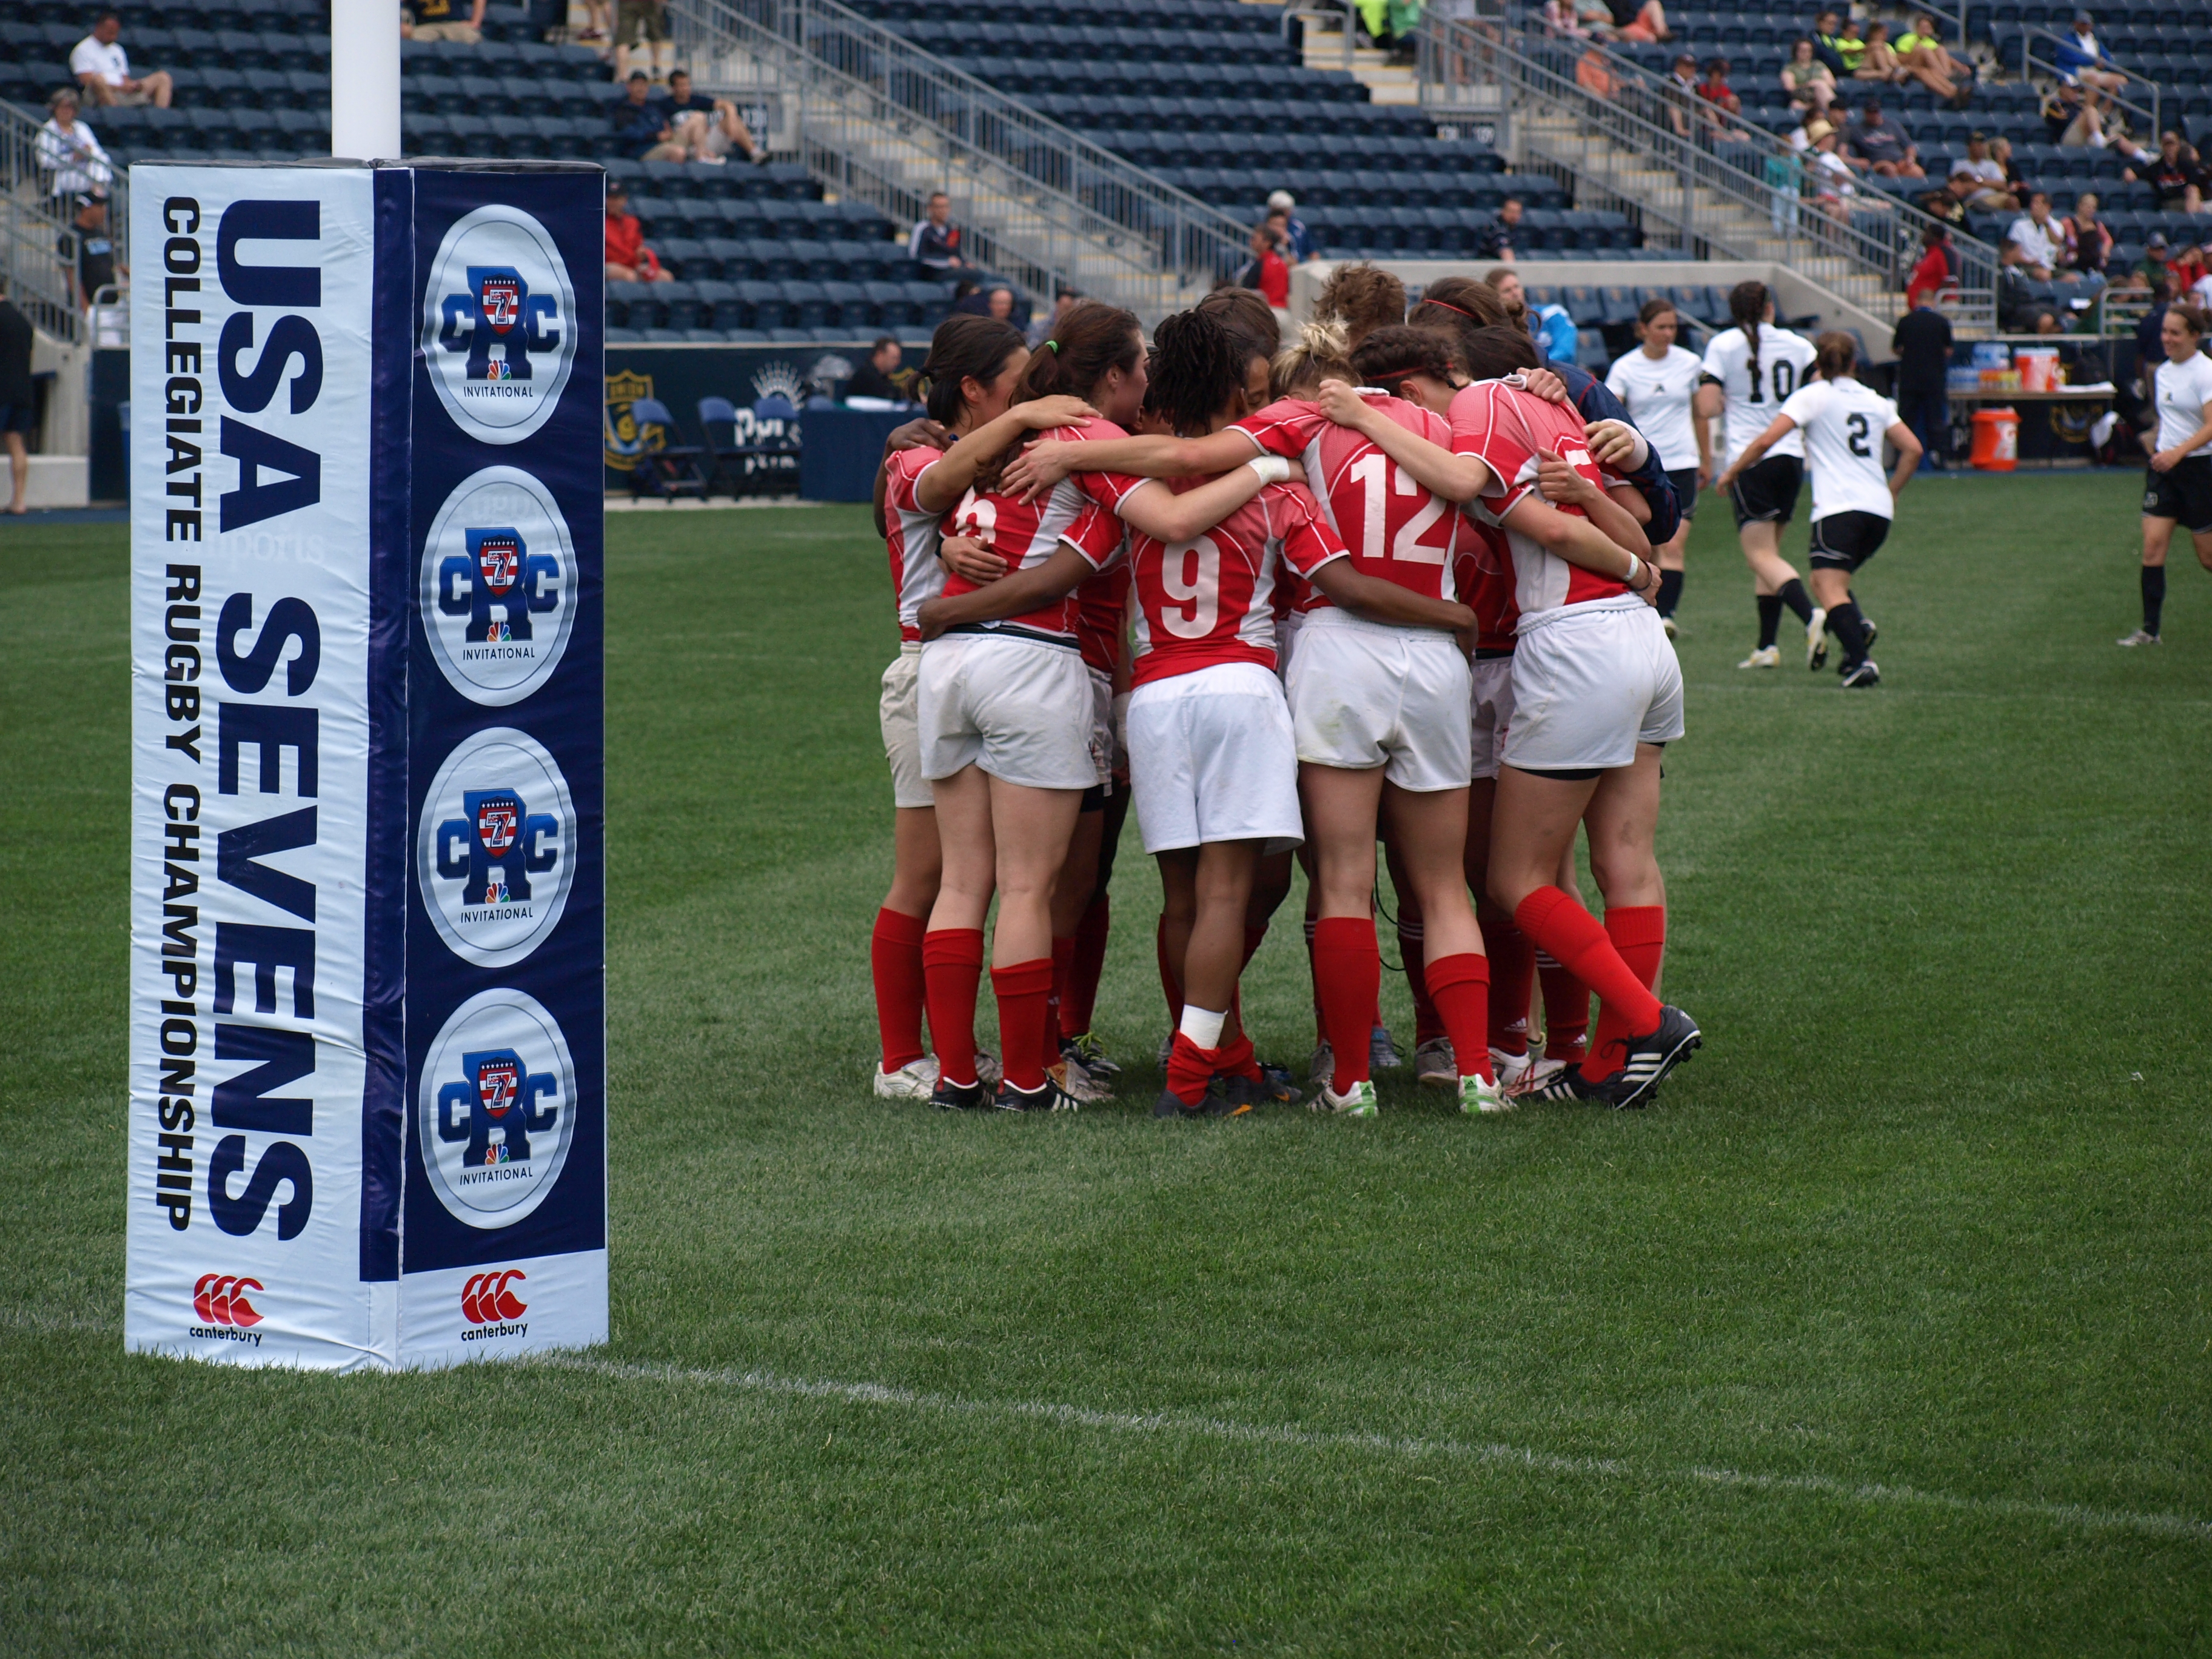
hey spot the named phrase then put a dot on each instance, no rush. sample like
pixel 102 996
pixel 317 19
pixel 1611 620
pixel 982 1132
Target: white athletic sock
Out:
pixel 1202 1025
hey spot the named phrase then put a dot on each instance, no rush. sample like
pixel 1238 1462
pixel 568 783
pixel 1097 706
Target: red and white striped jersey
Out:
pixel 1211 600
pixel 1394 529
pixel 1027 533
pixel 916 576
pixel 1507 427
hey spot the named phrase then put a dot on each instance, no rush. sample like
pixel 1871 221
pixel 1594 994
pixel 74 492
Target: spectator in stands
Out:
pixel 2079 57
pixel 935 242
pixel 2176 177
pixel 1832 184
pixel 1921 341
pixel 1063 302
pixel 1881 148
pixel 2045 321
pixel 998 305
pixel 2073 115
pixel 1877 61
pixel 1827 44
pixel 599 23
pixel 1992 193
pixel 2087 244
pixel 1948 205
pixel 2185 269
pixel 102 68
pixel 2031 245
pixel 19 396
pixel 880 376
pixel 1937 270
pixel 1716 92
pixel 1266 270
pixel 1810 83
pixel 2150 273
pixel 643 23
pixel 1681 95
pixel 1643 20
pixel 1301 247
pixel 629 259
pixel 642 126
pixel 1504 236
pixel 969 299
pixel 1922 55
pixel 440 20
pixel 2015 182
pixel 1549 325
pixel 68 150
pixel 87 251
pixel 708 128
pixel 1784 176
pixel 1850 46
pixel 1558 17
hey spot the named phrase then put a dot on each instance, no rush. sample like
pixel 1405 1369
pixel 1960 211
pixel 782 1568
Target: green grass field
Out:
pixel 1886 1331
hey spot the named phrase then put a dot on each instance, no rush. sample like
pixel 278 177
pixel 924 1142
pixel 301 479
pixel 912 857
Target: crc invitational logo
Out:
pixel 497 850
pixel 499 324
pixel 224 1313
pixel 497 1109
pixel 489 1304
pixel 498 586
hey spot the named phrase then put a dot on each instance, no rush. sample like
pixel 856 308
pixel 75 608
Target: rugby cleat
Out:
pixel 913 1081
pixel 1435 1065
pixel 1249 1092
pixel 1861 675
pixel 1211 1105
pixel 960 1097
pixel 1072 1080
pixel 2141 637
pixel 1048 1096
pixel 1651 1056
pixel 987 1069
pixel 1481 1095
pixel 1322 1066
pixel 1089 1054
pixel 1510 1068
pixel 1768 656
pixel 1279 1076
pixel 1358 1101
pixel 1668 623
pixel 1561 1086
pixel 1816 639
pixel 1867 621
pixel 1382 1054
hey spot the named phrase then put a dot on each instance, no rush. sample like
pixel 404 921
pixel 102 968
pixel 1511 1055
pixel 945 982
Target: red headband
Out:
pixel 1452 308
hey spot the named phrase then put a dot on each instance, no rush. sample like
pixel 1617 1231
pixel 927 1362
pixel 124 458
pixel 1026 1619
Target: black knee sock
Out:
pixel 2154 595
pixel 1792 594
pixel 1670 592
pixel 1770 618
pixel 1851 628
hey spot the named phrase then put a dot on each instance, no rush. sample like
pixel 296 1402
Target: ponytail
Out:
pixel 1320 352
pixel 1747 306
pixel 1837 354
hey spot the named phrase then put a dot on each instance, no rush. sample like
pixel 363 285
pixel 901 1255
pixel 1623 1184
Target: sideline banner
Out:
pixel 367 1062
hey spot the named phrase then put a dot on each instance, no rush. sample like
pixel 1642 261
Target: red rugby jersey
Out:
pixel 1483 566
pixel 916 576
pixel 1506 427
pixel 1026 534
pixel 1213 600
pixel 1394 529
pixel 1101 605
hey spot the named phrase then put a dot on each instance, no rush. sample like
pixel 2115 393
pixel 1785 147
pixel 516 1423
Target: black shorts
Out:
pixel 2185 493
pixel 1685 491
pixel 19 417
pixel 1844 541
pixel 1767 493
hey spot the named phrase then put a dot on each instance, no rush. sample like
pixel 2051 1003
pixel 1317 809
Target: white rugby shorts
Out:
pixel 1019 708
pixel 1590 682
pixel 1364 695
pixel 1492 678
pixel 1211 758
pixel 902 732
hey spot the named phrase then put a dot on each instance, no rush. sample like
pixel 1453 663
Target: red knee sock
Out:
pixel 1566 1011
pixel 1512 972
pixel 1024 991
pixel 1235 1056
pixel 895 958
pixel 1080 995
pixel 1638 933
pixel 1578 943
pixel 1428 1024
pixel 951 965
pixel 1170 981
pixel 1347 970
pixel 1460 986
pixel 1063 963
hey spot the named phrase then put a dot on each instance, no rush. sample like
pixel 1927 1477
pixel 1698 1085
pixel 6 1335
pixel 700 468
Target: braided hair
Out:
pixel 1748 308
pixel 1196 368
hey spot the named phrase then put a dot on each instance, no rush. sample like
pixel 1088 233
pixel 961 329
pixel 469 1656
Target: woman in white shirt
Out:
pixel 2177 486
pixel 67 149
pixel 1657 385
pixel 1853 500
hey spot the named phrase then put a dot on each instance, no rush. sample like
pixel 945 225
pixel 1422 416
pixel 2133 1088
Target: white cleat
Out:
pixel 1358 1101
pixel 987 1069
pixel 1768 656
pixel 916 1080
pixel 1322 1066
pixel 1668 623
pixel 1478 1095
pixel 1510 1068
pixel 1536 1073
pixel 1816 638
pixel 1077 1083
pixel 1435 1065
pixel 2141 637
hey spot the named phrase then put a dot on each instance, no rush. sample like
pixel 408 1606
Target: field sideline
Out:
pixel 1885 1332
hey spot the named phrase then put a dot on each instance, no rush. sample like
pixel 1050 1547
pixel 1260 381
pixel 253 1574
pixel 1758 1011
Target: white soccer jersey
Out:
pixel 1843 423
pixel 1657 394
pixel 1785 362
pixel 2184 389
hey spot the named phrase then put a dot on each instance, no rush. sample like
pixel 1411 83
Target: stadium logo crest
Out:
pixel 498 586
pixel 628 441
pixel 498 847
pixel 497 1109
pixel 499 325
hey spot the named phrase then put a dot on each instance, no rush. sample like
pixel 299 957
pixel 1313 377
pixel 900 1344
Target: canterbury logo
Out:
pixel 485 1299
pixel 219 1299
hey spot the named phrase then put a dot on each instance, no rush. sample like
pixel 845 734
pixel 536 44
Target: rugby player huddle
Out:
pixel 1395 581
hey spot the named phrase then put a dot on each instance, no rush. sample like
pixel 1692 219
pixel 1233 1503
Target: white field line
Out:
pixel 2074 1516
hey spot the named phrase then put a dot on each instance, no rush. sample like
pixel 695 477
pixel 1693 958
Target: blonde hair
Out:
pixel 1322 352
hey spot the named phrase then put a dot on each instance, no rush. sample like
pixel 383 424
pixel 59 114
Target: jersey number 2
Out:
pixel 1201 591
pixel 1856 443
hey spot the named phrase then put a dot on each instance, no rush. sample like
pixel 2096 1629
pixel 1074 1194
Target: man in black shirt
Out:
pixel 936 239
pixel 1922 342
pixel 19 399
pixel 89 250
pixel 873 378
pixel 710 128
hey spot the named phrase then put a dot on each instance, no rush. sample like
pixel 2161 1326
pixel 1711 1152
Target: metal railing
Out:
pixel 35 217
pixel 1724 185
pixel 2030 63
pixel 885 123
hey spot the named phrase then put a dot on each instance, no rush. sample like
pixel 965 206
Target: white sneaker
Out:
pixel 916 1080
pixel 1539 1072
pixel 1076 1083
pixel 1816 638
pixel 1476 1095
pixel 1668 623
pixel 1510 1068
pixel 2139 637
pixel 1322 1066
pixel 1358 1101
pixel 1435 1065
pixel 1768 656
